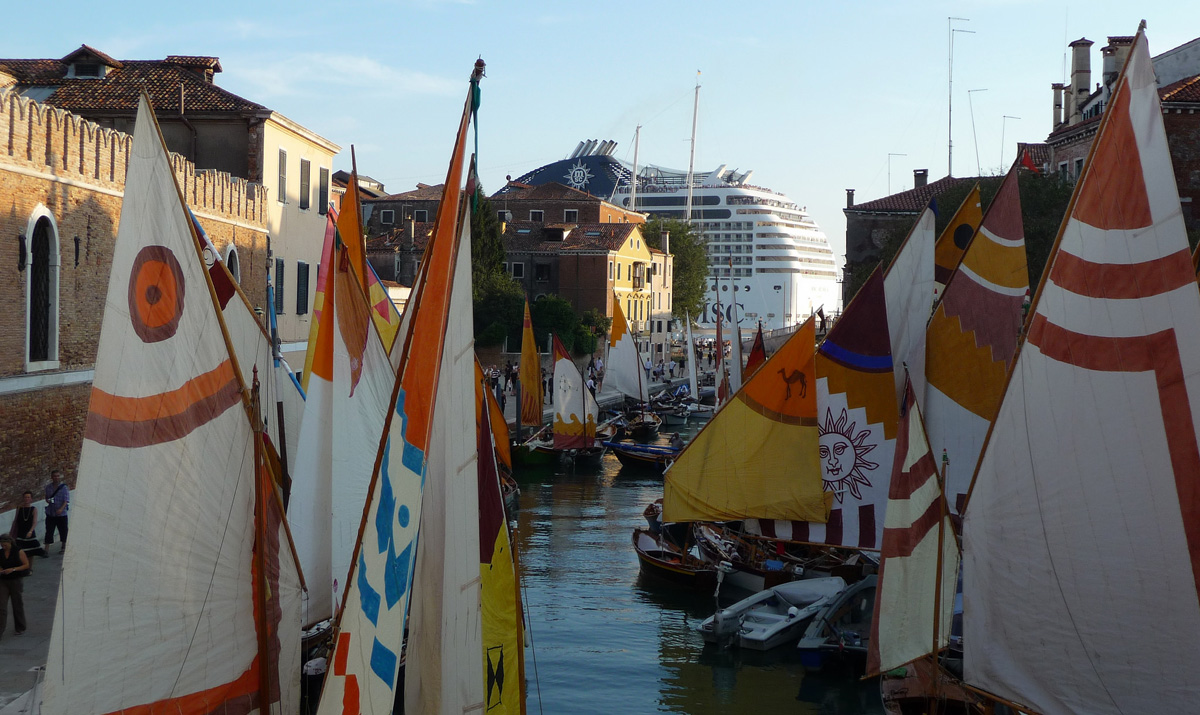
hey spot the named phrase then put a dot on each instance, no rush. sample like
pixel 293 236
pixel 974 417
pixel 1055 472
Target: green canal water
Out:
pixel 607 639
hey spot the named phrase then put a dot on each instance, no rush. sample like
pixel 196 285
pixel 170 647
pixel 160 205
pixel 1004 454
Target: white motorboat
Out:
pixel 772 617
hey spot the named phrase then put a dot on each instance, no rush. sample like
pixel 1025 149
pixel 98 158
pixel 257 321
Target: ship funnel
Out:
pixel 578 148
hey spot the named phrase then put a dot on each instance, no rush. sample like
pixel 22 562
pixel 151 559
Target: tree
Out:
pixel 690 271
pixel 487 244
pixel 551 314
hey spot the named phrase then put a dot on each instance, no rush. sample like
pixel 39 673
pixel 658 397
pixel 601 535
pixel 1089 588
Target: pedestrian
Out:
pixel 501 398
pixel 591 385
pixel 672 368
pixel 646 366
pixel 600 366
pixel 58 503
pixel 14 565
pixel 710 358
pixel 24 527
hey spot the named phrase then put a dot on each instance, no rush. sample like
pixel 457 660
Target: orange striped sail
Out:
pixel 954 239
pixel 176 594
pixel 530 374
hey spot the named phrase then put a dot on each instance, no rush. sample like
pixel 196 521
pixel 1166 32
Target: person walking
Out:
pixel 58 502
pixel 591 385
pixel 14 565
pixel 24 527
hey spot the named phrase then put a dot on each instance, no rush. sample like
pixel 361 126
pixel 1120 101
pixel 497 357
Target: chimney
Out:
pixel 666 241
pixel 1081 78
pixel 849 198
pixel 1115 54
pixel 920 177
pixel 1058 88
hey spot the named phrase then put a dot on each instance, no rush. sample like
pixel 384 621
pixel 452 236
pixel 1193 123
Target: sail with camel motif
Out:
pixel 1082 532
pixel 574 422
pixel 856 422
pixel 503 628
pixel 530 374
pixel 180 592
pixel 972 338
pixel 916 525
pixel 908 291
pixel 757 457
pixel 954 239
pixel 422 462
pixel 623 372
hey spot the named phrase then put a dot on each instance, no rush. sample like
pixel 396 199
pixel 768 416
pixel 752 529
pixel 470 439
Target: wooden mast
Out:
pixel 260 547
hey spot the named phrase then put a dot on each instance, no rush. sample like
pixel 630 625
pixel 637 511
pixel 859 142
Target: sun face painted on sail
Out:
pixel 843 449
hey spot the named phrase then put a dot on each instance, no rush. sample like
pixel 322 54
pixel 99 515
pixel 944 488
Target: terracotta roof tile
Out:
pixel 550 191
pixel 1185 90
pixel 534 236
pixel 914 200
pixel 88 49
pixel 118 90
pixel 1039 153
pixel 398 238
pixel 423 192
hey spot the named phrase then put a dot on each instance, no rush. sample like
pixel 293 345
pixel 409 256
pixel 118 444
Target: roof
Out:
pixel 118 90
pixel 538 237
pixel 1185 90
pixel 550 191
pixel 1039 153
pixel 398 238
pixel 89 50
pixel 914 200
pixel 423 192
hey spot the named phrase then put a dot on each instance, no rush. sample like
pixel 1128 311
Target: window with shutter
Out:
pixel 323 192
pixel 305 185
pixel 282 176
pixel 279 269
pixel 301 288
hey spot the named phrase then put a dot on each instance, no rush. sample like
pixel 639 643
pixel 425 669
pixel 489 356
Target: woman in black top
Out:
pixel 13 565
pixel 24 527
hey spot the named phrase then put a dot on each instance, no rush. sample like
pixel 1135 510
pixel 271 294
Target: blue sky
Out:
pixel 812 96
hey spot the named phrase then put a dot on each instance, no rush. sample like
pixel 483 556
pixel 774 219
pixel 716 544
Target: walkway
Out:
pixel 21 657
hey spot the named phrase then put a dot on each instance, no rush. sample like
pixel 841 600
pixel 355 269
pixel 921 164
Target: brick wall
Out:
pixel 76 171
pixel 1183 130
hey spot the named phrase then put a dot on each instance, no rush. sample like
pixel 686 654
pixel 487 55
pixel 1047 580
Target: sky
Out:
pixel 813 96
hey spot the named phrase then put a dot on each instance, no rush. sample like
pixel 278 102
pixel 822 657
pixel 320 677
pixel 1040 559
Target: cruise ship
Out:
pixel 768 260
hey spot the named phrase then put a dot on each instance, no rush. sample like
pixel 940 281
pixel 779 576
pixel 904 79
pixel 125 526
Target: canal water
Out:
pixel 606 639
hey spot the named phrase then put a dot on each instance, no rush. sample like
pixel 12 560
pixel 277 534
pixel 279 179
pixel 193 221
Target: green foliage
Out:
pixel 585 341
pixel 597 322
pixel 552 314
pixel 499 308
pixel 487 245
pixel 690 262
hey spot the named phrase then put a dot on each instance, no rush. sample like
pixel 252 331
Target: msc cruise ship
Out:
pixel 768 260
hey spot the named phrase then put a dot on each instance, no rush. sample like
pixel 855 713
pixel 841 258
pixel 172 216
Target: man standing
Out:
pixel 58 501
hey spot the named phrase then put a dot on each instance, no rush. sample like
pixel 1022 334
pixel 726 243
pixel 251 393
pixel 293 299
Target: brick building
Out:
pixel 214 129
pixel 1078 108
pixel 61 182
pixel 553 202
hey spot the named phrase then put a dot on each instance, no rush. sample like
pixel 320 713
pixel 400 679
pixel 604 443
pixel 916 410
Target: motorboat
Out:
pixel 773 617
pixel 842 629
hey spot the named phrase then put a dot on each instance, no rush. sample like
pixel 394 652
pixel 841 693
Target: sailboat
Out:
pixel 428 477
pixel 625 375
pixel 181 591
pixel 575 411
pixel 696 409
pixel 1083 504
pixel 539 449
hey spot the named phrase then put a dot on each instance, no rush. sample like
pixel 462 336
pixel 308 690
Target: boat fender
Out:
pixel 793 612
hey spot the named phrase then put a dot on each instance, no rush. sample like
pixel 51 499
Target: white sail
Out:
pixel 692 362
pixel 908 286
pixel 735 360
pixel 572 400
pixel 624 372
pixel 157 606
pixel 1082 532
pixel 444 671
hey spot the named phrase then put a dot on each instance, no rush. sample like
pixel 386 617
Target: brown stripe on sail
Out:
pixel 900 541
pixel 131 433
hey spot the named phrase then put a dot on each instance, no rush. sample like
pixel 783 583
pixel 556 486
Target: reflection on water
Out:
pixel 608 640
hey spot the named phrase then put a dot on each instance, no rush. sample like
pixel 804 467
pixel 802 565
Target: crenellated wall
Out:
pixel 56 165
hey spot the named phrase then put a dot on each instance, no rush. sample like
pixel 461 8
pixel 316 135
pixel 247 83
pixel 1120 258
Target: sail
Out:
pixel 908 290
pixel 693 362
pixel 383 311
pixel 623 371
pixel 318 308
pixel 164 520
pixel 758 353
pixel 571 416
pixel 954 240
pixel 907 597
pixel 496 419
pixel 371 625
pixel 1085 505
pixel 972 337
pixel 735 360
pixel 857 420
pixel 530 374
pixel 757 457
pixel 502 623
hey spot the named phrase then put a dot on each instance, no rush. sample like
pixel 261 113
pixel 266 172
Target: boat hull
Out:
pixel 666 562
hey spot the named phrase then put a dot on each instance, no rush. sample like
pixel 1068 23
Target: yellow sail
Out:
pixel 531 375
pixel 757 458
pixel 955 237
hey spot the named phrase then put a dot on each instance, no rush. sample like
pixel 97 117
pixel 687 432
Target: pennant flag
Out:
pixel 953 242
pixel 502 622
pixel 1085 501
pixel 1027 162
pixel 573 422
pixel 908 294
pixel 195 558
pixel 318 309
pixel 972 337
pixel 530 374
pixel 856 420
pixel 757 457
pixel 758 353
pixel 907 599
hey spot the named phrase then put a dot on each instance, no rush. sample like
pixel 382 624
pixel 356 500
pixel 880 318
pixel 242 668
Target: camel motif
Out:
pixel 796 376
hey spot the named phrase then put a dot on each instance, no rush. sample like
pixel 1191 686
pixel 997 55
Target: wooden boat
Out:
pixel 643 456
pixel 662 559
pixel 909 689
pixel 588 457
pixel 644 427
pixel 673 416
pixel 757 563
pixel 771 618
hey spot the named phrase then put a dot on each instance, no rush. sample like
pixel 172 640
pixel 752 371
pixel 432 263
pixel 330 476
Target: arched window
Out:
pixel 233 263
pixel 41 297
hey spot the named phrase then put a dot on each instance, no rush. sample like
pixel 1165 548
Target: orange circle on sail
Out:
pixel 155 294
